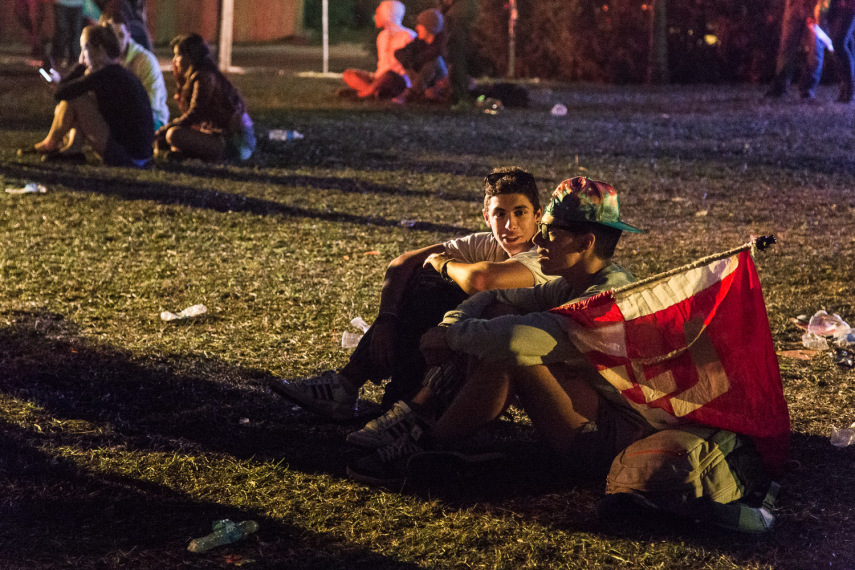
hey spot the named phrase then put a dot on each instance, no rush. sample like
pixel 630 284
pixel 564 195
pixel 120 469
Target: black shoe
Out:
pixel 69 157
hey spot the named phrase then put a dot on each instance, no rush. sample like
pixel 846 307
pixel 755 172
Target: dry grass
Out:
pixel 124 436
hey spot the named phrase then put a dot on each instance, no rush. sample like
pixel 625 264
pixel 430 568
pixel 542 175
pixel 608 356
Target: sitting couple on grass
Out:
pixel 116 99
pixel 499 345
pixel 410 64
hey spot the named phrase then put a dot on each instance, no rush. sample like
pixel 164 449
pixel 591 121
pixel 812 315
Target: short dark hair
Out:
pixel 511 180
pixel 103 38
pixel 606 238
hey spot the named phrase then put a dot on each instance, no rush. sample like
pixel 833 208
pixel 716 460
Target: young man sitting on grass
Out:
pixel 105 103
pixel 420 286
pixel 527 354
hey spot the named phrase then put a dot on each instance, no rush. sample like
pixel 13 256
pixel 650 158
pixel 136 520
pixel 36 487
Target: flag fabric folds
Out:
pixel 691 346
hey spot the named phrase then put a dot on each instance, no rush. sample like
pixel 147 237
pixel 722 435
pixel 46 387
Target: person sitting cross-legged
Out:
pixel 526 355
pixel 420 286
pixel 106 103
pixel 214 123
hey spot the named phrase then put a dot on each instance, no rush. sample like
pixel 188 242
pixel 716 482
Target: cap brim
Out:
pixel 623 226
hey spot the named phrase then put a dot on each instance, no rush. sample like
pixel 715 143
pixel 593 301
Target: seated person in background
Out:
pixel 214 123
pixel 390 79
pixel 145 66
pixel 527 353
pixel 133 14
pixel 413 299
pixel 423 61
pixel 106 103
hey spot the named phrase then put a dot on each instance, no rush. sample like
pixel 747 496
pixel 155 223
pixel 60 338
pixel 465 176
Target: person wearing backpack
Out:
pixel 214 122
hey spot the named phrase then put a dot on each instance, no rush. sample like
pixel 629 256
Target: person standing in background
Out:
pixel 459 17
pixel 67 27
pixel 795 32
pixel 31 15
pixel 841 24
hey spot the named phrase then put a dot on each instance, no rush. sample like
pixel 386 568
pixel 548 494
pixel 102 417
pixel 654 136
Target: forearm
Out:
pixel 74 87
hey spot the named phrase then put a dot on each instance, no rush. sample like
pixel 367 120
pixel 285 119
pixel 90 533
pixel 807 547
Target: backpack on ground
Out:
pixel 701 473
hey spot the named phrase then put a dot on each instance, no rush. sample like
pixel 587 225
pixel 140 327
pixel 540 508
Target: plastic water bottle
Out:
pixel 284 135
pixel 843 437
pixel 225 532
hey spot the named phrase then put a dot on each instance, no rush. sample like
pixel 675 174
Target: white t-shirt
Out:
pixel 484 246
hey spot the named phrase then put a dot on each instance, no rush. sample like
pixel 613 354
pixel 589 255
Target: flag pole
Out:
pixel 756 244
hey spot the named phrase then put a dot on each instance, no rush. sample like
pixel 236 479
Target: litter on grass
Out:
pixel 187 313
pixel 29 188
pixel 843 437
pixel 349 339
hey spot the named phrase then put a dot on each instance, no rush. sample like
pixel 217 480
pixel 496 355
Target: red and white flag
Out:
pixel 691 346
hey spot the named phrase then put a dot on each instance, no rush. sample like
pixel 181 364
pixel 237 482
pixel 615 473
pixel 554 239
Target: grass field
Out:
pixel 123 436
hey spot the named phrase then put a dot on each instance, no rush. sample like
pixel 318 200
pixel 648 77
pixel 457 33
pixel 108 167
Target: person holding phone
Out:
pixel 105 103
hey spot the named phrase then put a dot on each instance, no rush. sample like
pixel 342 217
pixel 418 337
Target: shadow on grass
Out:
pixel 115 185
pixel 185 404
pixel 56 514
pixel 196 405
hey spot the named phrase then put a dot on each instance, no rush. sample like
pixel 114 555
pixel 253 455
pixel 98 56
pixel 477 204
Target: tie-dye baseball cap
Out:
pixel 583 200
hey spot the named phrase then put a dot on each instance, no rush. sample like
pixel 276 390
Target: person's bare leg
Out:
pixel 197 144
pixel 484 396
pixel 90 123
pixel 81 114
pixel 73 142
pixel 63 121
pixel 357 79
pixel 558 402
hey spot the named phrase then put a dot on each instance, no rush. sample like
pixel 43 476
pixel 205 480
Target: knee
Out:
pixel 170 135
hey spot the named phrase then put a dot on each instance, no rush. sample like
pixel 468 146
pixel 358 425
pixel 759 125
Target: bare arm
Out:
pixel 484 275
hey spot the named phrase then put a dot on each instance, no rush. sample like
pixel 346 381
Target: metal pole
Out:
pixel 325 25
pixel 512 38
pixel 227 12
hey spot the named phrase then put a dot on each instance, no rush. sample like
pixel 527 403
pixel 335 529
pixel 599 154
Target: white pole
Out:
pixel 512 38
pixel 325 25
pixel 227 12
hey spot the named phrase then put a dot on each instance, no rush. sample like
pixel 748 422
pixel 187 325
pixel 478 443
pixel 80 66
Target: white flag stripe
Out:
pixel 659 295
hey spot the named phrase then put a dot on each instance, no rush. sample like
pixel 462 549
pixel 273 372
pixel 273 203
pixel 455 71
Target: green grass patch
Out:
pixel 124 436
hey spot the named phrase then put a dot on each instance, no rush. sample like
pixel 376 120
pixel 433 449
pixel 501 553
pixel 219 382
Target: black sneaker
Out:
pixel 387 467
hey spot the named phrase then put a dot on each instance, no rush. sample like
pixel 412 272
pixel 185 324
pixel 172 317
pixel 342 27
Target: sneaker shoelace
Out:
pixel 401 447
pixel 388 420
